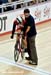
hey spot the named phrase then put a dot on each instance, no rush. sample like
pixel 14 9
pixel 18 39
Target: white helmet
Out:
pixel 19 19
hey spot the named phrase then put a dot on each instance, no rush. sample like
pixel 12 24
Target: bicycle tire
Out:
pixel 16 55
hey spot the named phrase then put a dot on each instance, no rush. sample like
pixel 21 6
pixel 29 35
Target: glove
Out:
pixel 11 36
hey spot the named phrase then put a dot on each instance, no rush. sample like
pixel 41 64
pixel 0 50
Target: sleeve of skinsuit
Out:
pixel 14 27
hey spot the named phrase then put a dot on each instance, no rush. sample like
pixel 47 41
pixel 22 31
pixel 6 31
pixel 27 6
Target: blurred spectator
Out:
pixel 39 1
pixel 4 1
pixel 45 0
pixel 34 1
pixel 9 1
pixel 18 5
pixel 9 7
pixel 14 0
pixel 0 2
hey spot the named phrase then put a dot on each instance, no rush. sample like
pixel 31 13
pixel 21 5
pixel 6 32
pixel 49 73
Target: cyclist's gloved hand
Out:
pixel 11 36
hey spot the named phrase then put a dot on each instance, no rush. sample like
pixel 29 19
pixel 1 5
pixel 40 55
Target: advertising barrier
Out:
pixel 40 13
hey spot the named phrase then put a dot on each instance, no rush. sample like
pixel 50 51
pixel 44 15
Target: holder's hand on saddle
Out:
pixel 24 35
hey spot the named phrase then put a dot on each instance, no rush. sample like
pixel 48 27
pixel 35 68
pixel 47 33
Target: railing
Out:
pixel 13 5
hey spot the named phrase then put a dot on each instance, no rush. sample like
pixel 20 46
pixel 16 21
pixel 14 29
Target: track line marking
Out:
pixel 23 66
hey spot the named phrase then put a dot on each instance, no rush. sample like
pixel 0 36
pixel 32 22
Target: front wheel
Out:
pixel 16 55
